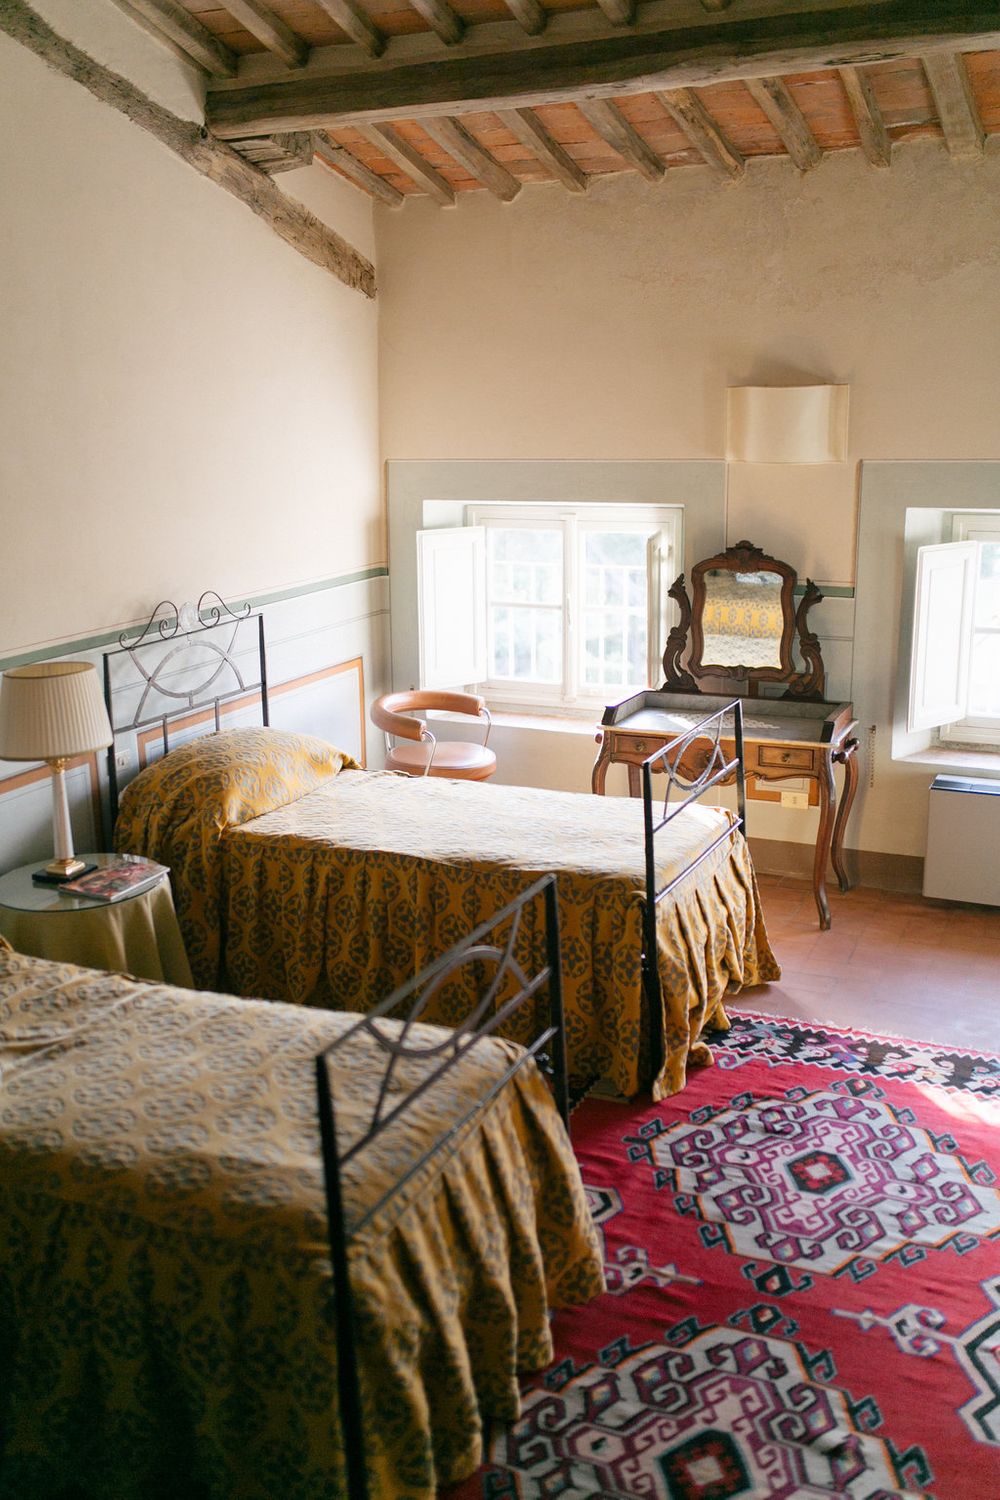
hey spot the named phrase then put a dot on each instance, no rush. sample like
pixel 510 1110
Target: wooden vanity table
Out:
pixel 739 626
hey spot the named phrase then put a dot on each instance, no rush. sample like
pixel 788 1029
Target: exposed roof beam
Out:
pixel 609 122
pixel 529 15
pixel 441 18
pixel 618 12
pixel 181 28
pixel 532 133
pixel 277 153
pixel 466 150
pixel 955 105
pixel 293 223
pixel 788 120
pixel 875 142
pixel 270 29
pixel 408 157
pixel 357 24
pixel 702 131
pixel 545 70
pixel 341 158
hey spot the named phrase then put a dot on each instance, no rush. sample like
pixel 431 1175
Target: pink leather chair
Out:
pixel 426 755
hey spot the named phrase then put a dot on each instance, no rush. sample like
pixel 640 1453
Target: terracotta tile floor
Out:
pixel 890 963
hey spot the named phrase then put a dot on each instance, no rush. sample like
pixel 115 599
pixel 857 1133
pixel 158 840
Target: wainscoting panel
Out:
pixel 327 657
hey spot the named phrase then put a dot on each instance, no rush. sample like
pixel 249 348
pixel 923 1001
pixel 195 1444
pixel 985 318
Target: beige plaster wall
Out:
pixel 608 325
pixel 185 402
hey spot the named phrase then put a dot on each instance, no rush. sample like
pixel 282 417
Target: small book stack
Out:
pixel 125 876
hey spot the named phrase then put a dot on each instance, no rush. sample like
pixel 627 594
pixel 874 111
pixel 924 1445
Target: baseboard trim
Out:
pixel 886 872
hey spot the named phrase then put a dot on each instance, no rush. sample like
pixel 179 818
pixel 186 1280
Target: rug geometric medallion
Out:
pixel 802 1252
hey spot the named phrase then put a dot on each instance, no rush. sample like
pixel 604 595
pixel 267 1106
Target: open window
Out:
pixel 955 657
pixel 545 605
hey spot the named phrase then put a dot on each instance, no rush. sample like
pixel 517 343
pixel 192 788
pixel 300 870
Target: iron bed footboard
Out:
pixel 717 769
pixel 485 1018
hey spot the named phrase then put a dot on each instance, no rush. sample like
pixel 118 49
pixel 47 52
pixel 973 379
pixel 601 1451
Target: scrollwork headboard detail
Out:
pixel 185 659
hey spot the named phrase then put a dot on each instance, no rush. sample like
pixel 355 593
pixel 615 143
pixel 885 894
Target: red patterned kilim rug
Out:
pixel 802 1252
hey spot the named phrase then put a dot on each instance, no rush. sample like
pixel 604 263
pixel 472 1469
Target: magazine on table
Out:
pixel 126 875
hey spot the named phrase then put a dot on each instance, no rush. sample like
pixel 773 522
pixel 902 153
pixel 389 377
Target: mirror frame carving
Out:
pixel 744 557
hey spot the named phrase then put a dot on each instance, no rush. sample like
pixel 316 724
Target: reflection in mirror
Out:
pixel 742 619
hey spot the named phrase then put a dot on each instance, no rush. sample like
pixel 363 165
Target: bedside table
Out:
pixel 136 935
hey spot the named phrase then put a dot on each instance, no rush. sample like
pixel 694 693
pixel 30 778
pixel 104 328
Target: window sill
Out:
pixel 540 723
pixel 974 761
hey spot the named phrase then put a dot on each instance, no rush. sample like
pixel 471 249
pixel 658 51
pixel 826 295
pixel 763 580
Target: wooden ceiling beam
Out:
pixel 341 158
pixel 956 105
pixel 466 150
pixel 356 23
pixel 529 15
pixel 219 163
pixel 277 153
pixel 609 122
pixel 184 31
pixel 420 171
pixel 545 70
pixel 619 12
pixel 441 18
pixel 702 131
pixel 788 120
pixel 874 137
pixel 532 133
pixel 277 36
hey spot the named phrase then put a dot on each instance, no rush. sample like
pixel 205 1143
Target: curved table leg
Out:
pixel 849 759
pixel 634 780
pixel 827 812
pixel 599 774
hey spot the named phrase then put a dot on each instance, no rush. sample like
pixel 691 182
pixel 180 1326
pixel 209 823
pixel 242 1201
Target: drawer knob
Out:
pixel 640 746
pixel 786 756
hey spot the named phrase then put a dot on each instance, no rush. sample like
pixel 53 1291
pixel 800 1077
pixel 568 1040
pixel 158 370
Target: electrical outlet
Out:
pixel 795 799
pixel 123 759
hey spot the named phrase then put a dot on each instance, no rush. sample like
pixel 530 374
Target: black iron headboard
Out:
pixel 186 660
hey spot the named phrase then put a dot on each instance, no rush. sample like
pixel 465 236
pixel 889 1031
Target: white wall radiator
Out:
pixel 963 841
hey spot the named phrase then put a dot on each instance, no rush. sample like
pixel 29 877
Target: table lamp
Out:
pixel 53 711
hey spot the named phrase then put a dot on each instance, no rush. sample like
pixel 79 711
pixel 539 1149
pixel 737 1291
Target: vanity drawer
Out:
pixel 785 755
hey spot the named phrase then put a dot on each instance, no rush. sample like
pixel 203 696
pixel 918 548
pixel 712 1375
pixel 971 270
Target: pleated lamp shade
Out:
pixel 52 711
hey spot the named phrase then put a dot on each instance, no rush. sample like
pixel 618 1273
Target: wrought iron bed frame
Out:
pixel 210 614
pixel 717 769
pixel 482 1022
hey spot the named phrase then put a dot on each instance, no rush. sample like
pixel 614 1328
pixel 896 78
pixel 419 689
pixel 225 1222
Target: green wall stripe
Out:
pixel 256 601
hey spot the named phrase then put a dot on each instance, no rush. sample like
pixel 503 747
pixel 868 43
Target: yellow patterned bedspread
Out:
pixel 336 898
pixel 165 1289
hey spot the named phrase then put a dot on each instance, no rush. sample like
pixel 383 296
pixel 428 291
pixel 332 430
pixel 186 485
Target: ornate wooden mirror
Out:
pixel 740 624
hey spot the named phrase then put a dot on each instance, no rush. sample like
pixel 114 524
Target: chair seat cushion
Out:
pixel 468 762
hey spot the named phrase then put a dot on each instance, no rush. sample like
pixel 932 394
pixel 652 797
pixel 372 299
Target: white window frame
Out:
pixel 666 520
pixel 973 526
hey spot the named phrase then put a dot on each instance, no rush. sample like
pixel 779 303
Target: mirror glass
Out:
pixel 742 620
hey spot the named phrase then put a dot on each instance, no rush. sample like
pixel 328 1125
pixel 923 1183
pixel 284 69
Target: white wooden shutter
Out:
pixel 942 634
pixel 661 570
pixel 451 597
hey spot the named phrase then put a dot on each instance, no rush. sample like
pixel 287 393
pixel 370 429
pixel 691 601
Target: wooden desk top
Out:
pixel 770 720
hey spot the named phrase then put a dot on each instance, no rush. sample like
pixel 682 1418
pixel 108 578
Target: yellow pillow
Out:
pixel 225 779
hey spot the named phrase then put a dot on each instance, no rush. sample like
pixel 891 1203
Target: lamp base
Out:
pixel 61 870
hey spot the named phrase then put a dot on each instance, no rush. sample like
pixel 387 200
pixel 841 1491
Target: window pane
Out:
pixel 984 676
pixel 988 587
pixel 525 564
pixel 526 644
pixel 614 648
pixel 613 639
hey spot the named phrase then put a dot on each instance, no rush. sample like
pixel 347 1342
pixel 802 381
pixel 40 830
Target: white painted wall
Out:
pixel 185 402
